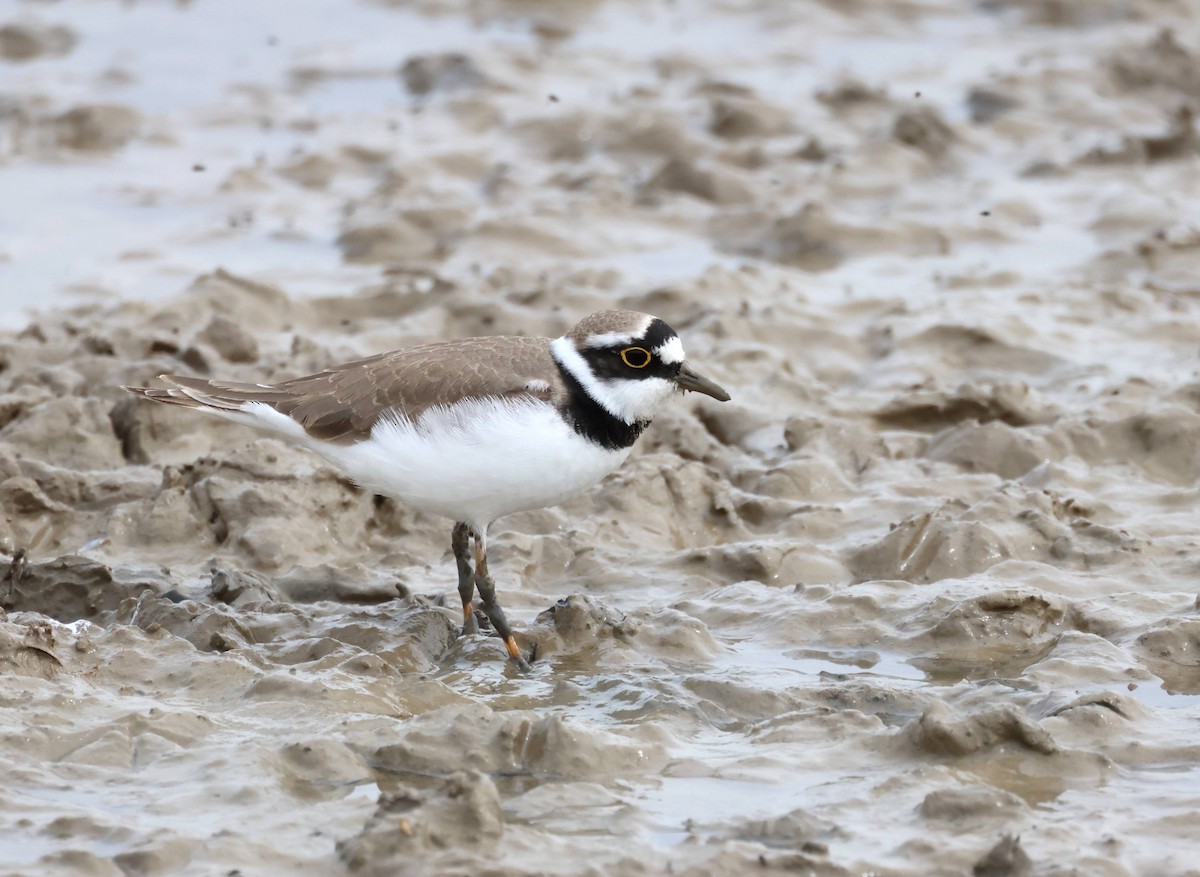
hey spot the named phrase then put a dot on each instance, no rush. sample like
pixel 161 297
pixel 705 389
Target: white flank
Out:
pixel 476 460
pixel 256 414
pixel 263 416
pixel 473 461
pixel 628 400
pixel 671 352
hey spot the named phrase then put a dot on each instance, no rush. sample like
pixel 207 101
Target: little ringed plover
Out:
pixel 473 429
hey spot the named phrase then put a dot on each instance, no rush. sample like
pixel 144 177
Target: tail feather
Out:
pixel 230 391
pixel 248 404
pixel 216 395
pixel 170 397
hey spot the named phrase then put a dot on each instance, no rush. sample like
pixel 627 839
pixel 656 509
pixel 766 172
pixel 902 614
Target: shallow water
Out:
pixel 925 586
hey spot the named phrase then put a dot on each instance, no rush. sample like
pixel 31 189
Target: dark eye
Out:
pixel 636 357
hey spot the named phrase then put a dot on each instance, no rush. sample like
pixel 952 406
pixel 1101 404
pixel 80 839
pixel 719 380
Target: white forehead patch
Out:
pixel 671 352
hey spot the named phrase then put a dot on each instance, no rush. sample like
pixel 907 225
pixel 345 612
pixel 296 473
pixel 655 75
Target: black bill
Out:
pixel 690 379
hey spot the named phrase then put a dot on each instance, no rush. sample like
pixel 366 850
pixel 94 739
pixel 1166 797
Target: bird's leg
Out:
pixel 487 593
pixel 460 538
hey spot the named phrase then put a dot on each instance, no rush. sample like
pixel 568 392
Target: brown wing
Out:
pixel 343 403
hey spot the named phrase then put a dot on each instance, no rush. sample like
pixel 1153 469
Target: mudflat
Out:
pixel 921 600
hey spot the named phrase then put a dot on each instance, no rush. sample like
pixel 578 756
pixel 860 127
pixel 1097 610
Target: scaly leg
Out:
pixel 487 593
pixel 460 538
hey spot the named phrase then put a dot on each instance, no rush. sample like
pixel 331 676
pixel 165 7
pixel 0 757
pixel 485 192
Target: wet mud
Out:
pixel 921 600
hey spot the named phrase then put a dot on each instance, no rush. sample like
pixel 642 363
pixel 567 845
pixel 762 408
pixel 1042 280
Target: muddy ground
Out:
pixel 922 600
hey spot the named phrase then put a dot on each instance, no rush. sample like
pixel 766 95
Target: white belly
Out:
pixel 477 460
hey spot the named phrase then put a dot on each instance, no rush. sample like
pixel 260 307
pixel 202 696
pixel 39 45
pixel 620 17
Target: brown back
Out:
pixel 343 403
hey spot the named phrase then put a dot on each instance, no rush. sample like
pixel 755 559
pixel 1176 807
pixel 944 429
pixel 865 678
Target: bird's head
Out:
pixel 629 363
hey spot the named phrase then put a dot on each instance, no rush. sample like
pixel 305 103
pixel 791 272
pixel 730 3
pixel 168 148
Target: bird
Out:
pixel 472 429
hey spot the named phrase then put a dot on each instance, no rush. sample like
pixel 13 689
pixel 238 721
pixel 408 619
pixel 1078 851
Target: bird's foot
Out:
pixel 514 654
pixel 474 621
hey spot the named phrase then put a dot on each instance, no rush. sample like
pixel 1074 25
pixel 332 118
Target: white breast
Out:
pixel 476 460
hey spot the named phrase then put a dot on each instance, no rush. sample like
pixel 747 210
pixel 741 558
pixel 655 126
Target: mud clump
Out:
pixel 25 42
pixel 237 588
pixel 1180 140
pixel 1014 617
pixel 708 184
pixel 971 803
pixel 1012 403
pixel 930 547
pixel 208 628
pixel 797 829
pixel 97 128
pixel 986 105
pixel 580 620
pixel 73 588
pixel 312 171
pixel 807 239
pixel 734 118
pixel 230 340
pixel 450 71
pixel 1172 651
pixel 849 92
pixel 993 447
pixel 69 432
pixel 942 731
pixel 411 234
pixel 514 743
pixel 460 817
pixel 1163 63
pixel 925 130
pixel 28 650
pixel 1006 859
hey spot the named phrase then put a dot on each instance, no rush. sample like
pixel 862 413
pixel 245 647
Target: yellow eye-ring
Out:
pixel 636 357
